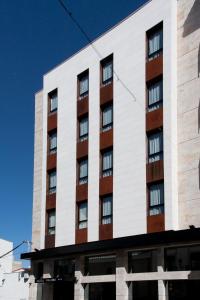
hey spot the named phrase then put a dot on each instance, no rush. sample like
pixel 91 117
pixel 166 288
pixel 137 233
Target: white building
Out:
pixel 14 280
pixel 116 210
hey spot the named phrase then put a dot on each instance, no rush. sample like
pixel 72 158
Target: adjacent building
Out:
pixel 14 279
pixel 116 208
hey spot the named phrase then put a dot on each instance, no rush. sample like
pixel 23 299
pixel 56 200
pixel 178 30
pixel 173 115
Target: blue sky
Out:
pixel 36 35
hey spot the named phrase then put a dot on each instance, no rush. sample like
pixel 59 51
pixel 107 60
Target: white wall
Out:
pixel 127 42
pixel 5 262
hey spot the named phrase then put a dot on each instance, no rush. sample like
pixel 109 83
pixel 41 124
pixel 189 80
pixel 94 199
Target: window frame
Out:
pixel 102 217
pixel 50 96
pixel 152 31
pixel 81 77
pixel 160 206
pixel 158 103
pixel 50 134
pixel 79 222
pixel 52 190
pixel 82 180
pixel 84 137
pixel 108 126
pixel 159 153
pixel 49 228
pixel 110 170
pixel 106 61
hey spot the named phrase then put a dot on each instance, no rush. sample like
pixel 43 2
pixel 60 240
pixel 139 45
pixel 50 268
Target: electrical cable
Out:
pixel 23 242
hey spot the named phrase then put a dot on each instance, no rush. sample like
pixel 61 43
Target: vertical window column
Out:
pixel 82 156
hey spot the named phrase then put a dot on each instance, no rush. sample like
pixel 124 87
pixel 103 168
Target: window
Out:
pixel 142 261
pixel 107 163
pixel 52 182
pixel 156 199
pixel 52 142
pixel 107 117
pixel 107 70
pixel 155 147
pixel 83 84
pixel 83 171
pixel 155 43
pixel 106 214
pixel 53 97
pixel 82 215
pixel 83 129
pixel 155 95
pixel 51 221
pixel 100 265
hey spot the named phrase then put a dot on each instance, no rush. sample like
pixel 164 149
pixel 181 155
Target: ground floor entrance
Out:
pixel 63 290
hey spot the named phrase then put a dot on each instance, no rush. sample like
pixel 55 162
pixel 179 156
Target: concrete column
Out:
pixel 160 268
pixel 79 272
pixel 48 273
pixel 121 271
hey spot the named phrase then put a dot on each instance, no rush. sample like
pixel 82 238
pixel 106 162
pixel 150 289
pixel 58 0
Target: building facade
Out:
pixel 116 210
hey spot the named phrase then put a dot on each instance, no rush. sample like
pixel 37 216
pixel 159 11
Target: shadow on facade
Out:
pixel 192 21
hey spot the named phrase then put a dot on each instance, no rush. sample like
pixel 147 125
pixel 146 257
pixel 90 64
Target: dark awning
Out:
pixel 142 240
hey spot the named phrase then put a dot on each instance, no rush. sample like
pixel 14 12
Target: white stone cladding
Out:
pixel 189 112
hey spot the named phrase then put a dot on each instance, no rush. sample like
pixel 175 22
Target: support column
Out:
pixel 160 268
pixel 35 289
pixel 121 271
pixel 48 273
pixel 79 271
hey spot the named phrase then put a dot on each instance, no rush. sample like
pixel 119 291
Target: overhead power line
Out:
pixel 69 13
pixel 24 242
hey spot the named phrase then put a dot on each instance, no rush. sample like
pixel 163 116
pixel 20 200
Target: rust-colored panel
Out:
pixel 156 223
pixel 154 119
pixel 82 107
pixel 106 93
pixel 82 149
pixel 155 171
pixel 51 161
pixel 81 236
pixel 51 201
pixel 154 68
pixel 81 192
pixel 106 185
pixel 105 231
pixel 50 241
pixel 52 121
pixel 106 139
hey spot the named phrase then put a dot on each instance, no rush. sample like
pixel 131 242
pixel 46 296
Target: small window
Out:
pixel 82 215
pixel 155 42
pixel 107 163
pixel 155 95
pixel 107 70
pixel 52 182
pixel 106 214
pixel 155 147
pixel 53 98
pixel 52 142
pixel 107 117
pixel 156 199
pixel 83 129
pixel 51 222
pixel 83 171
pixel 83 84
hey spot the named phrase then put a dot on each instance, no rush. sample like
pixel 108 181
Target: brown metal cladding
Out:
pixel 82 107
pixel 154 119
pixel 81 192
pixel 106 185
pixel 154 68
pixel 51 161
pixel 51 201
pixel 155 171
pixel 50 241
pixel 81 236
pixel 105 231
pixel 156 223
pixel 52 122
pixel 82 149
pixel 106 139
pixel 106 93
